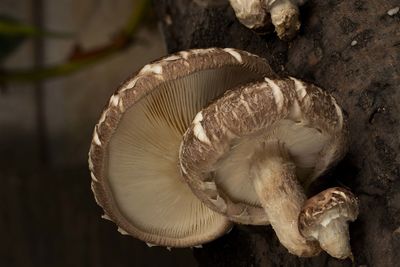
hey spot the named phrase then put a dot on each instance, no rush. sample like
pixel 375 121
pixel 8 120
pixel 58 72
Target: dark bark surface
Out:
pixel 365 79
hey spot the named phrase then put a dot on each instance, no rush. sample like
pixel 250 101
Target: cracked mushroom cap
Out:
pixel 133 157
pixel 320 210
pixel 217 150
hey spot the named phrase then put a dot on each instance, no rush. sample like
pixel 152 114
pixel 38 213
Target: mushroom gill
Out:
pixel 134 152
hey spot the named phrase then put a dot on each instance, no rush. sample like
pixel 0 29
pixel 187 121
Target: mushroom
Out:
pixel 251 13
pixel 324 218
pixel 284 15
pixel 249 154
pixel 133 157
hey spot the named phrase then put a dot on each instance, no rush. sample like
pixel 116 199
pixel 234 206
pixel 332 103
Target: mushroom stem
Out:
pixel 285 17
pixel 281 195
pixel 334 238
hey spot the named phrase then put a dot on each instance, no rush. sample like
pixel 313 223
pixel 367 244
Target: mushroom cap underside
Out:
pixel 133 157
pixel 217 149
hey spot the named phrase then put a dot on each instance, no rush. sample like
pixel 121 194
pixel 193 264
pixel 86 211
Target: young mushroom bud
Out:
pixel 284 15
pixel 251 13
pixel 249 154
pixel 133 157
pixel 325 217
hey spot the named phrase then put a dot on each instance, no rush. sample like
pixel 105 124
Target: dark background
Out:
pixel 48 216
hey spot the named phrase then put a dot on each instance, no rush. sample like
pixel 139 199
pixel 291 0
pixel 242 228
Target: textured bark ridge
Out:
pixel 352 49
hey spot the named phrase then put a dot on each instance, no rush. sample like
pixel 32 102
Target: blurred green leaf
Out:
pixel 8 43
pixel 89 58
pixel 13 33
pixel 13 28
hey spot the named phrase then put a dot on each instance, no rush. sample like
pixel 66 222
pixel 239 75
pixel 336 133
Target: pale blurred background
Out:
pixel 48 216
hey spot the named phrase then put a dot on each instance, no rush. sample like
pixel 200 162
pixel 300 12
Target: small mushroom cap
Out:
pixel 133 157
pixel 259 15
pixel 217 148
pixel 251 13
pixel 320 210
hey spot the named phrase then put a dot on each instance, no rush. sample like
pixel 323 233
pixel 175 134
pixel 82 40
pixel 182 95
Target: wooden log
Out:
pixel 352 49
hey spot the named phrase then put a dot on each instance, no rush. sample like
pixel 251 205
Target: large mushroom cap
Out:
pixel 133 158
pixel 218 149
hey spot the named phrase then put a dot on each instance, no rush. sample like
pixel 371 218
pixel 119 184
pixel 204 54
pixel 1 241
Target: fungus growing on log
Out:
pixel 249 154
pixel 284 15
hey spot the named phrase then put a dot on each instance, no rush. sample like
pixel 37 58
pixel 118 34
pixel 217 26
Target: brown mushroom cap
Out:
pixel 284 15
pixel 250 13
pixel 133 157
pixel 328 205
pixel 217 148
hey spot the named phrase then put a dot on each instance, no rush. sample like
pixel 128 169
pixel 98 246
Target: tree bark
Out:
pixel 352 49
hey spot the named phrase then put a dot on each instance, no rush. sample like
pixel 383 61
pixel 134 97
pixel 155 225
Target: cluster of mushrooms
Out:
pixel 257 15
pixel 203 138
